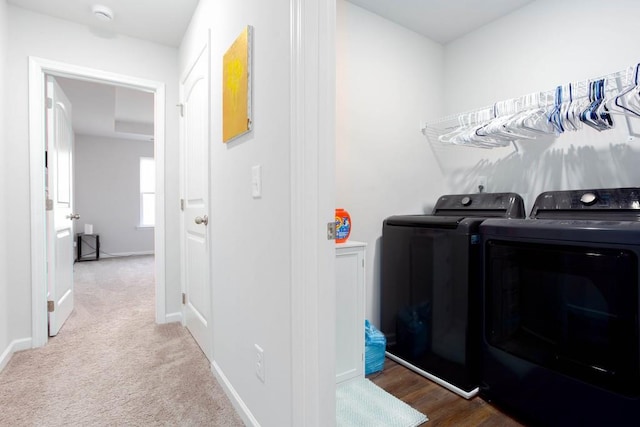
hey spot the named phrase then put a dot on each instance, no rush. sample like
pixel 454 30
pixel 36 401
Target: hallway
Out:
pixel 111 364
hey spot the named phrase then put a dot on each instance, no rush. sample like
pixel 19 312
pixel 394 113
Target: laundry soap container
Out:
pixel 375 346
pixel 343 225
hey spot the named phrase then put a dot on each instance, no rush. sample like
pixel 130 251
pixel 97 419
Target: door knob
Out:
pixel 200 220
pixel 73 216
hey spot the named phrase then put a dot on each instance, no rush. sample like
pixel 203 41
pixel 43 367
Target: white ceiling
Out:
pixel 161 21
pixel 109 111
pixel 165 21
pixel 102 110
pixel 441 20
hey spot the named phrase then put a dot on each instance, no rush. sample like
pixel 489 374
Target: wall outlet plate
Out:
pixel 481 184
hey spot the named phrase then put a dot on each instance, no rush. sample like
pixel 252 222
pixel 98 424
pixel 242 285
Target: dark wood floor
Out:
pixel 441 406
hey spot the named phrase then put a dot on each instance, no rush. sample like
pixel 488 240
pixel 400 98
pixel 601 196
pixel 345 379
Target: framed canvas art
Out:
pixel 236 87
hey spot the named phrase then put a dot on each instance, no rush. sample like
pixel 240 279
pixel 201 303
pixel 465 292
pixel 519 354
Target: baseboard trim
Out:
pixel 236 401
pixel 15 345
pixel 173 317
pixel 123 254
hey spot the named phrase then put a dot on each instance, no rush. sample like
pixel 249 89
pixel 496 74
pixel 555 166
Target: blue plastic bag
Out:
pixel 375 345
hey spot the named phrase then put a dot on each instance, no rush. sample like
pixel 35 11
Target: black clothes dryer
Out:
pixel 431 287
pixel 561 334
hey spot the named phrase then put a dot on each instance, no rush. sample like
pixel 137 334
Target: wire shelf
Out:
pixel 592 102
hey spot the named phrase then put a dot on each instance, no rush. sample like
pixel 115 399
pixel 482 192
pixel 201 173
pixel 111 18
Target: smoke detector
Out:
pixel 102 13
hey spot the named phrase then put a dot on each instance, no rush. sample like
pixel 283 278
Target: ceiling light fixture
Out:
pixel 102 13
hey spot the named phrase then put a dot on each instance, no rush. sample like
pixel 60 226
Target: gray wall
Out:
pixel 107 179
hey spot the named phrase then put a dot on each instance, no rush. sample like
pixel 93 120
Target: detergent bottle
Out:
pixel 343 225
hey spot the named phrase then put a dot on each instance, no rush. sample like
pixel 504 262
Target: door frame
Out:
pixel 38 69
pixel 313 189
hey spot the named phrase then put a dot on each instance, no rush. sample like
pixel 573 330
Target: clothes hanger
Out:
pixel 498 127
pixel 591 116
pixel 628 100
pixel 469 135
pixel 585 115
pixel 571 120
pixel 462 127
pixel 603 113
pixel 483 136
pixel 555 116
pixel 535 119
pixel 515 122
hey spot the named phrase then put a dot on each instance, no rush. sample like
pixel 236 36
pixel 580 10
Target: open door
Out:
pixel 194 92
pixel 60 216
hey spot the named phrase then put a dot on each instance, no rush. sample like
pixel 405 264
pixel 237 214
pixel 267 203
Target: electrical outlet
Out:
pixel 481 184
pixel 259 362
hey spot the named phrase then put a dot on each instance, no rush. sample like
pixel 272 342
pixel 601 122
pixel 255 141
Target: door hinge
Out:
pixel 184 298
pixel 181 204
pixel 181 107
pixel 331 230
pixel 49 103
pixel 49 204
pixel 51 307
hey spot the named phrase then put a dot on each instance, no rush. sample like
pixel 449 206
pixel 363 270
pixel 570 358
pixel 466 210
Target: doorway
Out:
pixel 38 69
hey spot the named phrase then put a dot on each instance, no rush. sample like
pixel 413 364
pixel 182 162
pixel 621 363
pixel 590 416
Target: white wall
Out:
pixel 4 158
pixel 33 34
pixel 537 47
pixel 389 80
pixel 107 192
pixel 250 273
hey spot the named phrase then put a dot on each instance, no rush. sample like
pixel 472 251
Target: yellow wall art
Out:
pixel 236 87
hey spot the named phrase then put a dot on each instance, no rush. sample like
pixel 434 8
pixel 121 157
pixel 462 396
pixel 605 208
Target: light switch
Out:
pixel 256 181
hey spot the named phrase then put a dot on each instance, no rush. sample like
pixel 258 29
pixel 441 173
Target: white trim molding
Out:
pixel 14 346
pixel 312 207
pixel 124 254
pixel 173 317
pixel 38 69
pixel 241 408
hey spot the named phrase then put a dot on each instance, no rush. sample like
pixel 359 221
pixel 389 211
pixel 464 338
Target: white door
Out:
pixel 60 215
pixel 194 92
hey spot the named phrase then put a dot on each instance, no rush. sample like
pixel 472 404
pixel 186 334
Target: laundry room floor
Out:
pixel 441 406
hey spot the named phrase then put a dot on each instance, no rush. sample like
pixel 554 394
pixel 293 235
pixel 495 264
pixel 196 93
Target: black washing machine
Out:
pixel 561 340
pixel 431 287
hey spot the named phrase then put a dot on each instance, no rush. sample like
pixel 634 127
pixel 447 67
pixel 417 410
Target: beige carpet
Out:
pixel 111 364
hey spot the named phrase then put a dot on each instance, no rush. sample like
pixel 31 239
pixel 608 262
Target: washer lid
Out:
pixel 486 205
pixel 621 204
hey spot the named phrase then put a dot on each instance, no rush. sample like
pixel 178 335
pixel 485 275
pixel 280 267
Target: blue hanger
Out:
pixel 590 115
pixel 555 118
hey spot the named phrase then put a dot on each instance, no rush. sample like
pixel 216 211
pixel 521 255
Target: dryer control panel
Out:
pixel 618 203
pixel 494 205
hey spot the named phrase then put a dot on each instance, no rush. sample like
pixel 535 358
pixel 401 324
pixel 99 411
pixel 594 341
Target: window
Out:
pixel 147 191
